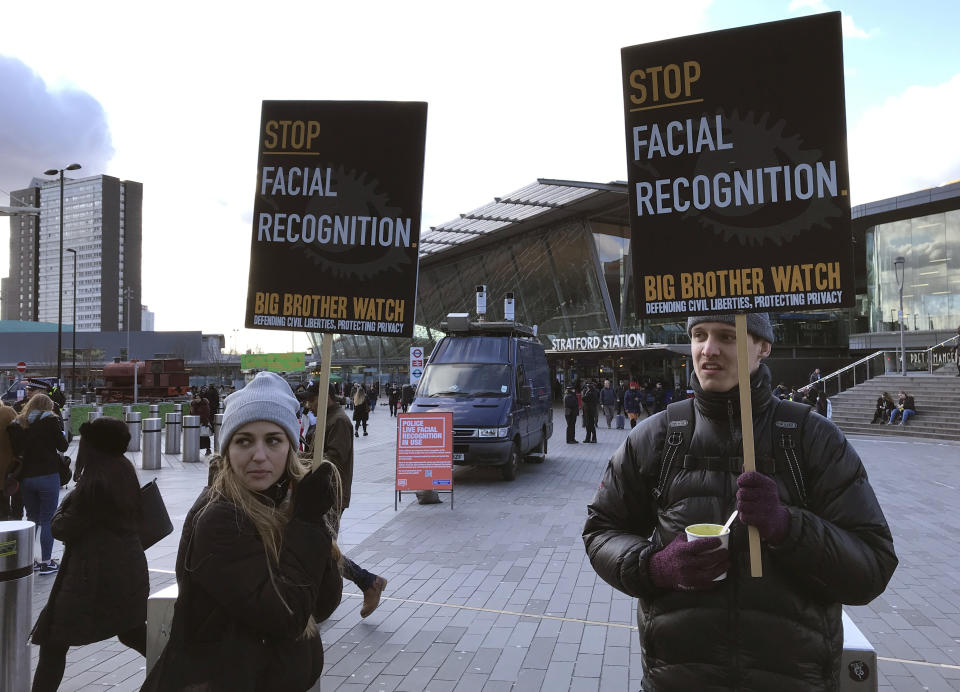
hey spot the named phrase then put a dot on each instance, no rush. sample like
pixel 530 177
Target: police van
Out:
pixel 495 379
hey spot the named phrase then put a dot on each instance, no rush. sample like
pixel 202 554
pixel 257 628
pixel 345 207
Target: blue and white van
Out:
pixel 495 379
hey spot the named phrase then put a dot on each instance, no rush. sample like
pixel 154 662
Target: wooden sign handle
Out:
pixel 326 356
pixel 746 426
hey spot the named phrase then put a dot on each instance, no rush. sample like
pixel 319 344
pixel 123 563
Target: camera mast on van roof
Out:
pixel 459 323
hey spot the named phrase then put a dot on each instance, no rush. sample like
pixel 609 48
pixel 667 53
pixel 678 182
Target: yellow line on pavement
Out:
pixel 499 612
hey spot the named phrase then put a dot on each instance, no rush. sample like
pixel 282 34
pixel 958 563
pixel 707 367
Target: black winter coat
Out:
pixel 780 632
pixel 102 587
pixel 233 630
pixel 41 443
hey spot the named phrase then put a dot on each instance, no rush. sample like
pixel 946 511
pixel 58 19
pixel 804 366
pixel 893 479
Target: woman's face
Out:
pixel 258 454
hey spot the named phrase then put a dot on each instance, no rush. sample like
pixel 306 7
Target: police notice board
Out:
pixel 737 170
pixel 425 451
pixel 336 218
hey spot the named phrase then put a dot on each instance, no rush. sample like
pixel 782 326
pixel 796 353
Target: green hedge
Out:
pixel 79 413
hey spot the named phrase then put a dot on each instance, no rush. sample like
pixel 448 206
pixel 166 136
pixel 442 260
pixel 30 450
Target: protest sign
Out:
pixel 737 169
pixel 336 218
pixel 424 452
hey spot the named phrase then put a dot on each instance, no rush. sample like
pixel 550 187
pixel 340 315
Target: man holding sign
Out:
pixel 704 621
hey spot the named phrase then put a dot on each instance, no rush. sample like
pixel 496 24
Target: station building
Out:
pixel 563 249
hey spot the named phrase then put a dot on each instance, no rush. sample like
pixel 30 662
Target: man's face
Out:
pixel 713 346
pixel 606 384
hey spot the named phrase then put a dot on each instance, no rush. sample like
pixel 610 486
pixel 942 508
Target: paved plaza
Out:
pixel 497 594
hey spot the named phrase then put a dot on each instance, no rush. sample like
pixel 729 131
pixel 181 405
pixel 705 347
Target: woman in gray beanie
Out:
pixel 258 567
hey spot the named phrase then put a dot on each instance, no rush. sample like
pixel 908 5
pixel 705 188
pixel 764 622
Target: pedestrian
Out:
pixel 659 398
pixel 102 586
pixel 822 404
pixel 372 395
pixel 571 410
pixel 257 567
pixel 361 411
pixel 38 437
pixel 9 485
pixel 780 391
pixel 31 387
pixel 633 403
pixel 608 401
pixel 338 449
pixel 213 399
pixel 591 411
pixel 825 541
pixel 906 407
pixel 393 398
pixel 200 406
pixel 407 395
pixel 885 405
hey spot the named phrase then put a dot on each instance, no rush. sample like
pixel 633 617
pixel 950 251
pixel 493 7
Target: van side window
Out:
pixel 521 378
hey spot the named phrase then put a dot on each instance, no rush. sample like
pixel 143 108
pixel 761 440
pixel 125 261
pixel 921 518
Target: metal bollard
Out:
pixel 65 416
pixel 154 410
pixel 191 438
pixel 150 459
pixel 217 423
pixel 133 425
pixel 127 409
pixel 94 414
pixel 16 595
pixel 174 424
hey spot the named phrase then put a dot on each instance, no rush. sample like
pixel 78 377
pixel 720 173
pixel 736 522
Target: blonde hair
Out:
pixel 270 521
pixel 38 402
pixel 359 395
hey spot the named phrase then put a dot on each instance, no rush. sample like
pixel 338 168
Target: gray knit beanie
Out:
pixel 758 323
pixel 268 397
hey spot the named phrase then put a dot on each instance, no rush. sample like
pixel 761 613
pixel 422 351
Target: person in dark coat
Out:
pixel 885 405
pixel 8 464
pixel 257 567
pixel 393 398
pixel 102 586
pixel 633 403
pixel 361 410
pixel 213 398
pixel 200 406
pixel 780 632
pixel 38 437
pixel 591 411
pixel 571 409
pixel 407 395
pixel 659 398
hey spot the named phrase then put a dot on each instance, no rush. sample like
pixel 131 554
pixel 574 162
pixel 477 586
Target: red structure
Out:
pixel 156 379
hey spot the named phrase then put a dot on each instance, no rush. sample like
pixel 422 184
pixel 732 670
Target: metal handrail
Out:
pixel 842 370
pixel 930 351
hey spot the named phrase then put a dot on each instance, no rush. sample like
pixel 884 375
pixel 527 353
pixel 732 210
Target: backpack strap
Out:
pixel 788 420
pixel 680 419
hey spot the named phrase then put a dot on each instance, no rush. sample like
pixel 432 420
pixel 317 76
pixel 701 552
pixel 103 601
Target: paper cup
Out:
pixel 698 531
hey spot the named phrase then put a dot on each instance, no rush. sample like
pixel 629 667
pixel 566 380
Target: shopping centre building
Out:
pixel 563 249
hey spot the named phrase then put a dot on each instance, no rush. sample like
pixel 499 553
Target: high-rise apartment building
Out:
pixel 103 222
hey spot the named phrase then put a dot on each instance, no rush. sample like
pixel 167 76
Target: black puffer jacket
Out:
pixel 235 627
pixel 780 632
pixel 102 586
pixel 40 443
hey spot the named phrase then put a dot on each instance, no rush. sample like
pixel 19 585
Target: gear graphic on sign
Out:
pixel 758 144
pixel 357 194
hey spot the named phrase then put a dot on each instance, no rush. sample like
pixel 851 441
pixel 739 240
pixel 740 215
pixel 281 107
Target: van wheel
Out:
pixel 509 470
pixel 540 454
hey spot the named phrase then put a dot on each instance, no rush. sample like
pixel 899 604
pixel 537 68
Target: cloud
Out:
pixel 850 29
pixel 47 128
pixel 906 144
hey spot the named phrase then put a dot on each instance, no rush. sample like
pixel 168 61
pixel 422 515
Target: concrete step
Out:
pixel 908 430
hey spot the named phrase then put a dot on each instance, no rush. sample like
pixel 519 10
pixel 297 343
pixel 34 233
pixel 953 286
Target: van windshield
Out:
pixel 465 379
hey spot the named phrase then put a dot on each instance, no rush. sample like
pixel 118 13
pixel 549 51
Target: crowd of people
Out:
pixel 587 400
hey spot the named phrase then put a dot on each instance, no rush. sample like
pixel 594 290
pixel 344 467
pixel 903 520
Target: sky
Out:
pixel 168 94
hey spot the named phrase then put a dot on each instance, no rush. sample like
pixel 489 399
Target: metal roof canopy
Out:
pixel 545 198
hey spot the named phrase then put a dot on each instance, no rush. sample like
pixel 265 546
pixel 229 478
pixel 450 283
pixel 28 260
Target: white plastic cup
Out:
pixel 697 531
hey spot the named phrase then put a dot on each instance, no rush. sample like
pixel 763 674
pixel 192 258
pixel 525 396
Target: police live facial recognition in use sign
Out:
pixel 336 218
pixel 425 451
pixel 737 162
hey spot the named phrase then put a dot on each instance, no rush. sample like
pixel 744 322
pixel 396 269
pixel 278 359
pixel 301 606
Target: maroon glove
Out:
pixel 759 505
pixel 689 566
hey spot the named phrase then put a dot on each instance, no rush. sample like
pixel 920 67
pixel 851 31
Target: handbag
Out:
pixel 63 468
pixel 156 522
pixel 205 431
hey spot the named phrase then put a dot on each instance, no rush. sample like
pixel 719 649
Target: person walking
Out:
pixel 659 398
pixel 361 411
pixel 200 406
pixel 608 401
pixel 393 398
pixel 407 395
pixel 591 411
pixel 338 449
pixel 633 403
pixel 258 566
pixel 825 541
pixel 571 410
pixel 102 586
pixel 9 485
pixel 38 438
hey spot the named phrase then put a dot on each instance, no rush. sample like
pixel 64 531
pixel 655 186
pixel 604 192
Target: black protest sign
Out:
pixel 336 217
pixel 737 168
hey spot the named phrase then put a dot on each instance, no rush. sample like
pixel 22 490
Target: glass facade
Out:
pixel 930 246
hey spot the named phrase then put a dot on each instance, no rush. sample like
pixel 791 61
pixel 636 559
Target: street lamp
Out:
pixel 55 171
pixel 899 274
pixel 73 351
